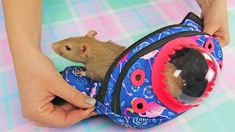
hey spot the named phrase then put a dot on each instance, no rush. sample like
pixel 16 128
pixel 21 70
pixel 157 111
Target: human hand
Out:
pixel 214 13
pixel 39 83
pixel 38 80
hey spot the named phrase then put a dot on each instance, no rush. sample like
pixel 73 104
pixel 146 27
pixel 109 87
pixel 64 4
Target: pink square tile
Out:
pixel 2 25
pixel 148 10
pixel 82 9
pixel 5 54
pixel 130 21
pixel 150 15
pixel 8 84
pixel 12 87
pixel 5 57
pixel 4 117
pixel 105 25
pixel 15 109
pixel 3 42
pixel 86 8
pixel 64 29
pixel 173 10
pixel 97 6
pixel 46 33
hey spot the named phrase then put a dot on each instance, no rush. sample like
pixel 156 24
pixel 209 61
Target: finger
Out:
pixel 66 107
pixel 41 124
pixel 223 37
pixel 223 41
pixel 58 118
pixel 93 114
pixel 73 96
pixel 74 118
pixel 210 29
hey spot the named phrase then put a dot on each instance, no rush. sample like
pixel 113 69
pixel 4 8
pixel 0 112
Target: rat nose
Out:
pixel 56 48
pixel 53 46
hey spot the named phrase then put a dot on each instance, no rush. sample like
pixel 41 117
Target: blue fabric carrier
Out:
pixel 129 95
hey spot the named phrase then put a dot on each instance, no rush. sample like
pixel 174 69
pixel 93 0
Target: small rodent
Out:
pixel 96 55
pixel 173 80
pixel 194 69
pixel 185 72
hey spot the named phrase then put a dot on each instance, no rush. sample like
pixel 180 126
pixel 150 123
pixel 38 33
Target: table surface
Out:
pixel 123 22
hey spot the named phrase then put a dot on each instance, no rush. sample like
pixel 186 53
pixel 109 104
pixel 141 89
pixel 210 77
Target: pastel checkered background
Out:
pixel 124 22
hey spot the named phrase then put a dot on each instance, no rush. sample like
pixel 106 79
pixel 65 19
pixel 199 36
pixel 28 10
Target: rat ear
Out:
pixel 91 33
pixel 84 50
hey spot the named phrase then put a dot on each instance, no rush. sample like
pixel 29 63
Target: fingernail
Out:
pixel 90 101
pixel 93 114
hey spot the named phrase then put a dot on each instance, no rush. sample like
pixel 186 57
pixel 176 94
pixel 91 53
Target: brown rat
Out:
pixel 173 80
pixel 96 55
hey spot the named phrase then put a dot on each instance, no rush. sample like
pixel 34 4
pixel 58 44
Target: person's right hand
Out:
pixel 39 82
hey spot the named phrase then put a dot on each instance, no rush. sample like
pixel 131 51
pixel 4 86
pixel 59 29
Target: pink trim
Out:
pixel 159 86
pixel 220 64
pixel 123 59
pixel 133 77
pixel 136 101
pixel 208 43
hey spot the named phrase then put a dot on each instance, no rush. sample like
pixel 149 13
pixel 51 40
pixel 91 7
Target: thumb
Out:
pixel 73 96
pixel 210 28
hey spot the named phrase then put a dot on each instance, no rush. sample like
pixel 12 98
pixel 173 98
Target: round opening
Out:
pixel 190 78
pixel 139 105
pixel 138 77
pixel 193 69
pixel 209 46
pixel 220 64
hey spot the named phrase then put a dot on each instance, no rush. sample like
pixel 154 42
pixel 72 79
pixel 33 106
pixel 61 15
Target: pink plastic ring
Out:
pixel 209 46
pixel 220 64
pixel 137 77
pixel 139 105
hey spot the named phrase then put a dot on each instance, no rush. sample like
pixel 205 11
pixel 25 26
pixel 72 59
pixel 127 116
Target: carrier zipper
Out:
pixel 101 93
pixel 152 47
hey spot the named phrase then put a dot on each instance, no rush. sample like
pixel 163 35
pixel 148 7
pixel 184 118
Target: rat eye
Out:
pixel 67 48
